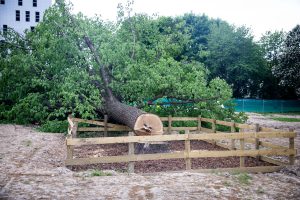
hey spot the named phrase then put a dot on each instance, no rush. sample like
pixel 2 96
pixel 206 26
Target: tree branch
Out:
pixel 183 101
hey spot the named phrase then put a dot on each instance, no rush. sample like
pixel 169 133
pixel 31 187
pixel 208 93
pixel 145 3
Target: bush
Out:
pixel 54 127
pixel 27 110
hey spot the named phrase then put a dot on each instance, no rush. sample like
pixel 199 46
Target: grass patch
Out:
pixel 279 113
pixel 260 190
pixel 100 173
pixel 244 178
pixel 290 113
pixel 286 119
pixel 227 184
pixel 27 143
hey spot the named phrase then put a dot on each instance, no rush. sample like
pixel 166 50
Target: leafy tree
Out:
pixel 288 67
pixel 198 27
pixel 234 57
pixel 44 74
pixel 51 72
pixel 272 44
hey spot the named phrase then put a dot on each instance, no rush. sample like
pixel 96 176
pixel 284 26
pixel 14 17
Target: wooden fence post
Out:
pixel 73 135
pixel 70 148
pixel 213 127
pixel 74 130
pixel 242 158
pixel 131 152
pixel 187 144
pixel 169 124
pixel 257 129
pixel 292 146
pixel 105 126
pixel 232 130
pixel 199 124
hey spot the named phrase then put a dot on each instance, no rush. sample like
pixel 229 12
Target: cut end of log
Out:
pixel 148 124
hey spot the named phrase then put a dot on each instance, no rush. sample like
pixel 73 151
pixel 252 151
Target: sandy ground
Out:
pixel 32 167
pixel 264 120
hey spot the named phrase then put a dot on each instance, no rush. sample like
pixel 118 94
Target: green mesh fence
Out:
pixel 262 106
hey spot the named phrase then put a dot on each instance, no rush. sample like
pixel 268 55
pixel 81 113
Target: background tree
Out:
pixel 272 44
pixel 288 67
pixel 234 57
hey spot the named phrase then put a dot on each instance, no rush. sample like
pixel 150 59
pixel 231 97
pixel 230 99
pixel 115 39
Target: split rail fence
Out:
pixel 251 134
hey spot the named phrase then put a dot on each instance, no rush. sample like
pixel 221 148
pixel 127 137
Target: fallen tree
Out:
pixel 141 122
pixel 82 66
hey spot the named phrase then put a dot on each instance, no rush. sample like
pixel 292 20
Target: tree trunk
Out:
pixel 140 122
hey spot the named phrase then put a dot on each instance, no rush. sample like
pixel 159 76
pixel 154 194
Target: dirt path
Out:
pixel 265 120
pixel 32 167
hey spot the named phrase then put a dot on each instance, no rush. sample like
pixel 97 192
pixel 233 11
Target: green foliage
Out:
pixel 50 73
pixel 44 74
pixel 288 67
pixel 272 44
pixel 234 57
pixel 28 110
pixel 54 126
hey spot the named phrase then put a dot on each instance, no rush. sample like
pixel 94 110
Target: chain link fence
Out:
pixel 265 106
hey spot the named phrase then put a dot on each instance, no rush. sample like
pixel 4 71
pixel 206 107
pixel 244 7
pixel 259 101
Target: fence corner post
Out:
pixel 291 147
pixel 187 144
pixel 131 152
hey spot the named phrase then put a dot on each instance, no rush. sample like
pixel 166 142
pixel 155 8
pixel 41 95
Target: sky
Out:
pixel 259 15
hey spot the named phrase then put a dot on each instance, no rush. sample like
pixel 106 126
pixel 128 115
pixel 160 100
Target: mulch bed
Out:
pixel 160 165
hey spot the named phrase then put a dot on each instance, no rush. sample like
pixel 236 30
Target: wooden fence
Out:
pixel 261 149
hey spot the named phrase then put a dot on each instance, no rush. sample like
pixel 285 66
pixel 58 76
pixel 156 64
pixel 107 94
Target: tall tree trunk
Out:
pixel 140 122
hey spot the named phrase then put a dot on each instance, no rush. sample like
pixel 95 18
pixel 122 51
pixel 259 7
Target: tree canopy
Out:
pixel 287 67
pixel 50 72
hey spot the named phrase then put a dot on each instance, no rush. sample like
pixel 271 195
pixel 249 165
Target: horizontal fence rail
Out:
pixel 253 136
pixel 164 138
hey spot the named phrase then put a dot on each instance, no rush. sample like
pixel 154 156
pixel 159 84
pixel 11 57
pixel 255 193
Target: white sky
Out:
pixel 259 15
